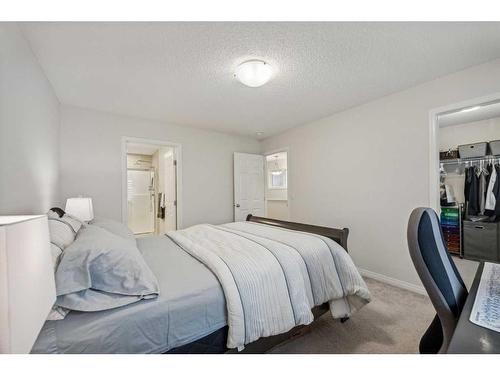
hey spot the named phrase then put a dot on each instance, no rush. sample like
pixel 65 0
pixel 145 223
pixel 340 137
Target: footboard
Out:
pixel 338 235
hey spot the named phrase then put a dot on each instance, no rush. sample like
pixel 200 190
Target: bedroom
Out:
pixel 325 133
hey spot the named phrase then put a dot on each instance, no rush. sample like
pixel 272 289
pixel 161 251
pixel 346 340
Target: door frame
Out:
pixel 178 157
pixel 434 199
pixel 288 179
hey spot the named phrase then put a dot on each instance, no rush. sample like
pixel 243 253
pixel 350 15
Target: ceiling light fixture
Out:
pixel 254 73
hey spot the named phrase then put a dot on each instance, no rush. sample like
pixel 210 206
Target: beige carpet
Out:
pixel 392 322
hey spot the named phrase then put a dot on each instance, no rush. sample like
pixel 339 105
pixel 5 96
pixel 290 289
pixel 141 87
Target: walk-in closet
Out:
pixel 469 163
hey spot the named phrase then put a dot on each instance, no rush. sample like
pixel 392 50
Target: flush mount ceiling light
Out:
pixel 254 73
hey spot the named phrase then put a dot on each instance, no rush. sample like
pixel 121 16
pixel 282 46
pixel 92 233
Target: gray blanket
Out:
pixel 273 277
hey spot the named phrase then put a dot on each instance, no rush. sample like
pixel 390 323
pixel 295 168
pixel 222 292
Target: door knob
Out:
pixel 237 205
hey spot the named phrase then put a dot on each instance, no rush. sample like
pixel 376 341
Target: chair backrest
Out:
pixel 436 269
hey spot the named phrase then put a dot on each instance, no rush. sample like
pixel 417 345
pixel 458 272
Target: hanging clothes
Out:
pixel 442 186
pixel 161 206
pixel 490 201
pixel 471 191
pixel 468 181
pixel 483 186
pixel 493 195
pixel 496 191
pixel 482 190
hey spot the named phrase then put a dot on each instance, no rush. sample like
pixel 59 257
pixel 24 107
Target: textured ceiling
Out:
pixel 183 72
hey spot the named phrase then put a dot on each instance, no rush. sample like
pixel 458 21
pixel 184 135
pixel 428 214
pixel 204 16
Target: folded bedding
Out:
pixel 272 277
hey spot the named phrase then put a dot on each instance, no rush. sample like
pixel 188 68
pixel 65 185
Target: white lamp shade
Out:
pixel 81 208
pixel 27 283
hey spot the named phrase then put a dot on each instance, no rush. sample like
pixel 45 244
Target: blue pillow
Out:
pixel 114 227
pixel 101 271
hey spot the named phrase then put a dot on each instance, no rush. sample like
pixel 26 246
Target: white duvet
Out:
pixel 272 277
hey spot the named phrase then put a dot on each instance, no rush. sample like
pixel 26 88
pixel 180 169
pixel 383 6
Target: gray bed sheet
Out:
pixel 191 305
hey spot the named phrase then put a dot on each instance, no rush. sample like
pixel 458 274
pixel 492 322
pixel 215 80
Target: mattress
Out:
pixel 191 306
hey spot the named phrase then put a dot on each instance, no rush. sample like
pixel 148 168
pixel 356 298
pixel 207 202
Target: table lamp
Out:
pixel 80 208
pixel 27 283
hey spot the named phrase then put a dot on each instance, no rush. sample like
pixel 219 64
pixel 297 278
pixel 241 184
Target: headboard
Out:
pixel 338 235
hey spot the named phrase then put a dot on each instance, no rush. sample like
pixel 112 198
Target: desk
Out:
pixel 468 337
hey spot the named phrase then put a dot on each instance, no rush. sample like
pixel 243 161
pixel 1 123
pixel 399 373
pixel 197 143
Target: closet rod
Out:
pixel 464 160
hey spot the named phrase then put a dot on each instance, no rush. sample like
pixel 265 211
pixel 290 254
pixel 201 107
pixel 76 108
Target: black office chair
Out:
pixel 440 277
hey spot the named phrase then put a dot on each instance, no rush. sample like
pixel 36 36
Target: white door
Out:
pixel 170 191
pixel 248 185
pixel 140 199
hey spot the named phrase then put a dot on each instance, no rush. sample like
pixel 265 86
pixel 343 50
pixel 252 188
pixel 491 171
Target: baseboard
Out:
pixel 395 282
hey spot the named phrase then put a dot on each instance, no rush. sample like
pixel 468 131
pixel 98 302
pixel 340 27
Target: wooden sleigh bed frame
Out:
pixel 338 235
pixel 216 342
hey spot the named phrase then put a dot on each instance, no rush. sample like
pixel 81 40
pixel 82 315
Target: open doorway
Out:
pixel 276 191
pixel 150 201
pixel 463 175
pixel 261 185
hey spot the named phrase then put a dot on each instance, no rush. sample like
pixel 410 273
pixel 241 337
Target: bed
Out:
pixel 191 313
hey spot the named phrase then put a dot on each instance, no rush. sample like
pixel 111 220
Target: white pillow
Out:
pixel 56 253
pixel 52 214
pixel 62 234
pixel 63 229
pixel 57 313
pixel 74 222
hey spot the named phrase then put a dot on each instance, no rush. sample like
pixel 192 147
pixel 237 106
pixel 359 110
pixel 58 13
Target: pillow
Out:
pixel 62 229
pixel 75 223
pixel 72 221
pixel 114 227
pixel 57 313
pixel 61 234
pixel 56 211
pixel 52 214
pixel 101 271
pixel 56 253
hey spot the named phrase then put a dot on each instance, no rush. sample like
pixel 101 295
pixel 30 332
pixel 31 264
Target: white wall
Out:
pixel 366 168
pixel 29 126
pixel 471 132
pixel 91 162
pixel 277 210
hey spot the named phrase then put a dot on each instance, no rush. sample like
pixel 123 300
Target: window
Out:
pixel 277 179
